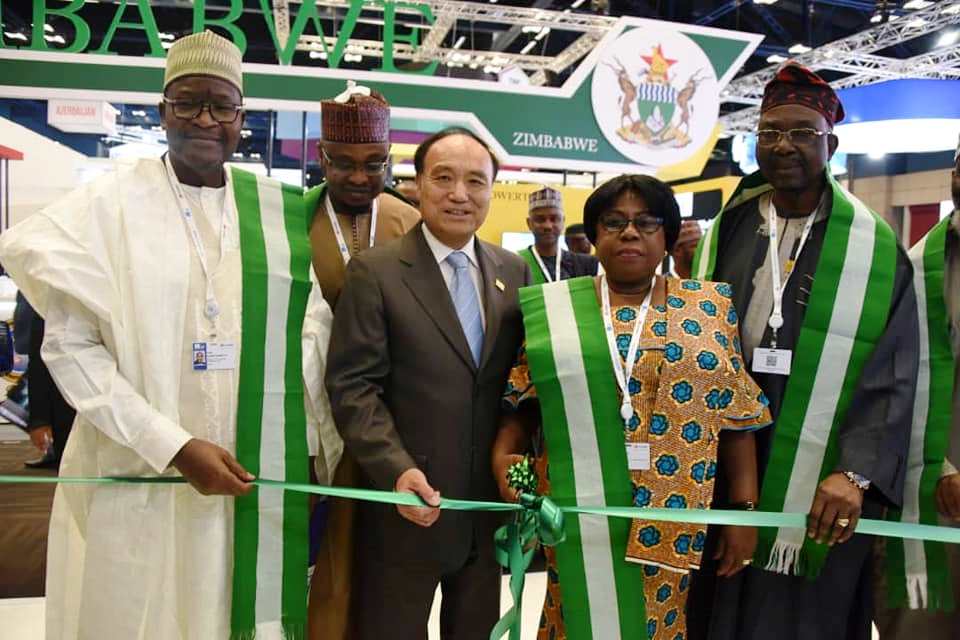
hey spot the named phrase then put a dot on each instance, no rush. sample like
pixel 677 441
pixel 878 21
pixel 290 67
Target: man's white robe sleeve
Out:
pixel 88 376
pixel 323 440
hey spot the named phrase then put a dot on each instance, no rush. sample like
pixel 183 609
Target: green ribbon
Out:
pixel 540 520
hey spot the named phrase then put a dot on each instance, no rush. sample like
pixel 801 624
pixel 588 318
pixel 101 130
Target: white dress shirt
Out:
pixel 441 251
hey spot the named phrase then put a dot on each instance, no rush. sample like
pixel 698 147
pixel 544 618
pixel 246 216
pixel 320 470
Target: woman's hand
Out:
pixel 500 466
pixel 735 549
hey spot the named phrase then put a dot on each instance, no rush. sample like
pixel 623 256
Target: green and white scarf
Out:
pixel 271 525
pixel 570 365
pixel 536 273
pixel 918 575
pixel 845 318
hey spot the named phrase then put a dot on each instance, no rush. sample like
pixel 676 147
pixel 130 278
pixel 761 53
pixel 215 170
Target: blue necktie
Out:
pixel 466 302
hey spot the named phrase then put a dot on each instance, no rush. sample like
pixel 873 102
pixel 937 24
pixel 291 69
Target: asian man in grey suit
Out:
pixel 426 331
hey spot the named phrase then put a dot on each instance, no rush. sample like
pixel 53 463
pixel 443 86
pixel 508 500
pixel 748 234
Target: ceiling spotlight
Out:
pixel 876 18
pixel 917 4
pixel 138 113
pixel 16 36
pixel 577 3
pixel 542 34
pixel 799 48
pixel 948 38
pixel 776 58
pixel 764 1
pixel 460 41
pixel 528 48
pixel 916 23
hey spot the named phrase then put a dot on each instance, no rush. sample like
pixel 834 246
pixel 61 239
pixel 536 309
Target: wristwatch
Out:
pixel 858 480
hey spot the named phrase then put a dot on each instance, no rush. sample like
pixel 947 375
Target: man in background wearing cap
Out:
pixel 547 261
pixel 353 210
pixel 153 311
pixel 913 601
pixel 830 335
pixel 351 213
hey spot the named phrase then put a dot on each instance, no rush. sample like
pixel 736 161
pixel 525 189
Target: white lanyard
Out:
pixel 543 267
pixel 211 308
pixel 621 373
pixel 335 223
pixel 776 317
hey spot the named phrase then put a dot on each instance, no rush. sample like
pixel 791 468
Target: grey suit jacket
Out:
pixel 406 393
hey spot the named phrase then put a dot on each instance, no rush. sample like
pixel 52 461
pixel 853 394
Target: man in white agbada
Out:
pixel 183 325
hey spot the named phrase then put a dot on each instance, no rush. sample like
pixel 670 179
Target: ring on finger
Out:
pixel 843 522
pixel 747 562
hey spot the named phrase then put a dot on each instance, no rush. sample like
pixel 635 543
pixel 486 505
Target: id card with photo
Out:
pixel 214 356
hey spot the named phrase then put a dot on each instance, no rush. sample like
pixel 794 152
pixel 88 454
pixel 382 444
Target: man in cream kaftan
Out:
pixel 114 270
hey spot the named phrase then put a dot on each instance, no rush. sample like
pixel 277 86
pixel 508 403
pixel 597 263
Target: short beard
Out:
pixel 350 210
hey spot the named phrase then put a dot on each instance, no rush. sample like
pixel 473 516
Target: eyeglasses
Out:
pixel 615 223
pixel 799 137
pixel 375 168
pixel 189 109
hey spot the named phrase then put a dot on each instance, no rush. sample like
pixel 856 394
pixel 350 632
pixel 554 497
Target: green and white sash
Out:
pixel 536 272
pixel 570 365
pixel 917 570
pixel 270 525
pixel 845 318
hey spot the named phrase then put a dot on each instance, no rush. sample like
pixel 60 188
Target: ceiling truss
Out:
pixel 854 55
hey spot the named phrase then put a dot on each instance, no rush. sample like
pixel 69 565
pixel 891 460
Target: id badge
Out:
pixel 199 356
pixel 214 356
pixel 776 361
pixel 638 456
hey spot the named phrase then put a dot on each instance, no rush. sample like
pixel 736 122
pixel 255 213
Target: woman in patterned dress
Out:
pixel 686 386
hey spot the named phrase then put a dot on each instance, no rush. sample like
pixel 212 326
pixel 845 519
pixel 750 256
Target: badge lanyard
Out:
pixel 335 223
pixel 776 317
pixel 621 373
pixel 211 308
pixel 543 267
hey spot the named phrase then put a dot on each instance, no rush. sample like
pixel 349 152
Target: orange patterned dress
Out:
pixel 683 443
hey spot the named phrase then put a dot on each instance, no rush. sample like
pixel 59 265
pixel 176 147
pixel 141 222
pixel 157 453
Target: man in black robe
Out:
pixel 795 143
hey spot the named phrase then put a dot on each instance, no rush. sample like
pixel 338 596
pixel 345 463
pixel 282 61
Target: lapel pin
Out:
pixel 500 284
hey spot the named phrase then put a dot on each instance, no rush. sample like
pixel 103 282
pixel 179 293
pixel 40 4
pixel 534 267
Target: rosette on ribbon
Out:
pixel 540 522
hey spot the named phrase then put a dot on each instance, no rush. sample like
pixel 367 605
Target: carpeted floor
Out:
pixel 24 518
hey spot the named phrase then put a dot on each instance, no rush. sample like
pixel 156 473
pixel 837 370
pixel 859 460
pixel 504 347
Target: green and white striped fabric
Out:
pixel 569 363
pixel 536 273
pixel 845 317
pixel 271 525
pixel 917 572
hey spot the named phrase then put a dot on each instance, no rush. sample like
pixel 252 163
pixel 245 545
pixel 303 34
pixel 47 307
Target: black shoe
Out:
pixel 48 461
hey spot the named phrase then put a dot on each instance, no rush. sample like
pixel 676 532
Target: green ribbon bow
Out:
pixel 540 522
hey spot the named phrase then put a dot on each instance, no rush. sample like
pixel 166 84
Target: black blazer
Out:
pixel 405 390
